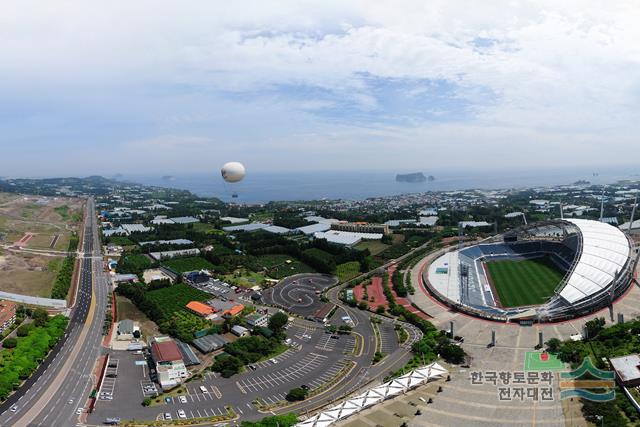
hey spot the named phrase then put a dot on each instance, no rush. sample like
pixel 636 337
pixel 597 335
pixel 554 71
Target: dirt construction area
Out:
pixel 34 233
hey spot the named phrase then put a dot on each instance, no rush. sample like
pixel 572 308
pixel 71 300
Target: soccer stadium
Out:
pixel 543 272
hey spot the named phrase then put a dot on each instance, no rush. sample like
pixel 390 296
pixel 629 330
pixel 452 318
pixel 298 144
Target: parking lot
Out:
pixel 313 359
pixel 388 338
pixel 109 382
pixel 298 370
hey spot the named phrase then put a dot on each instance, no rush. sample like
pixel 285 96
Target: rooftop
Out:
pixel 165 351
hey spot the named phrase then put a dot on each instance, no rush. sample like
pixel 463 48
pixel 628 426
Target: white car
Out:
pixel 204 390
pixel 183 399
pixel 181 414
pixel 70 401
pixel 167 416
pixel 14 408
pixel 79 411
pixel 274 361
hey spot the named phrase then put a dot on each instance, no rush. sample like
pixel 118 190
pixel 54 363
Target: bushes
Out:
pixel 63 279
pixel 9 342
pixel 319 259
pixel 18 363
pixel 296 394
pixel 286 420
pixel 133 263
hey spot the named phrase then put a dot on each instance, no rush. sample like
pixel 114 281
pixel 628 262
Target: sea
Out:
pixel 262 187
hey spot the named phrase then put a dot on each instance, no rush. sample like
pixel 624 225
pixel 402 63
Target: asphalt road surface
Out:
pixel 63 381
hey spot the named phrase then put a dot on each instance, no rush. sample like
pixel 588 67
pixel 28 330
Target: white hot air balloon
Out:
pixel 233 172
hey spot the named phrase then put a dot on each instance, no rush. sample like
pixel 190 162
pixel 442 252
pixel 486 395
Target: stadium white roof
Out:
pixel 375 395
pixel 605 251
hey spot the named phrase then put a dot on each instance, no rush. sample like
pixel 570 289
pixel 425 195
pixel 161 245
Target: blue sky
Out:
pixel 153 86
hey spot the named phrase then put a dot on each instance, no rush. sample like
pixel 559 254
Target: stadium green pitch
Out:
pixel 538 361
pixel 523 282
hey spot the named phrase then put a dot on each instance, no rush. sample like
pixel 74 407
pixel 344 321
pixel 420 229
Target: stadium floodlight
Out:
pixel 602 204
pixel 633 212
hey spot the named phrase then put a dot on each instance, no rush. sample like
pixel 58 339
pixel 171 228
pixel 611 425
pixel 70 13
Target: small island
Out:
pixel 411 177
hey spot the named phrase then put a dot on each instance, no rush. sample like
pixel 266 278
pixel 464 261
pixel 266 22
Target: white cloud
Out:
pixel 216 77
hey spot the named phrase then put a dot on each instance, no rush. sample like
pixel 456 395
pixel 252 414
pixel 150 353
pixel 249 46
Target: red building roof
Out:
pixel 200 308
pixel 166 351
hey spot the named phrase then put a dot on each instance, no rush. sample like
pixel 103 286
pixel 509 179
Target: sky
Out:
pixel 164 87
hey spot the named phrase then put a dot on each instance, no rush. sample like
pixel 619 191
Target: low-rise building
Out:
pixel 233 311
pixel 240 331
pixel 627 369
pixel 7 315
pixel 200 309
pixel 256 319
pixel 127 330
pixel 209 343
pixel 360 227
pixel 168 362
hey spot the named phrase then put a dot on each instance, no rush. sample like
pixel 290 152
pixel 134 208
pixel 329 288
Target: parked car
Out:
pixel 204 390
pixel 183 399
pixel 181 414
pixel 167 416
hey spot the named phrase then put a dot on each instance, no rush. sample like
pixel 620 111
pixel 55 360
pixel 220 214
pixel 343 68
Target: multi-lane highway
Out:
pixel 63 382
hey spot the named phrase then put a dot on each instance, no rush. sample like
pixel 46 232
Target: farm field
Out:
pixel 374 246
pixel 182 265
pixel 278 266
pixel 523 282
pixel 127 310
pixel 348 270
pixel 28 274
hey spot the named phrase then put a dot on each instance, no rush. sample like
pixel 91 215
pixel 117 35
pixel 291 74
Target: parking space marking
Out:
pixel 298 370
pixel 216 391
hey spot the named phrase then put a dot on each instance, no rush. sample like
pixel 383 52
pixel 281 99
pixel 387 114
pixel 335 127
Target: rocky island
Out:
pixel 411 177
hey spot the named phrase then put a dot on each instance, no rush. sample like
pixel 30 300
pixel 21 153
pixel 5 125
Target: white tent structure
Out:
pixel 375 395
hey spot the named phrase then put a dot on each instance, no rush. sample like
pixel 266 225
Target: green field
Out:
pixel 525 282
pixel 182 265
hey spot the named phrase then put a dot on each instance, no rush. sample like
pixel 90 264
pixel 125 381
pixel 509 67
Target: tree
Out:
pixel 40 317
pixel 594 327
pixel 362 305
pixel 23 330
pixel 278 321
pixel 380 309
pixel 452 353
pixel 553 345
pixel 10 342
pixel 146 402
pixel 296 394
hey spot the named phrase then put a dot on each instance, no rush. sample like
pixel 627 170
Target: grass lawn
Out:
pixel 244 278
pixel 374 246
pixel 206 228
pixel 525 282
pixel 348 270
